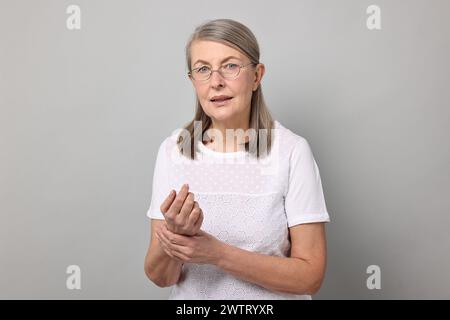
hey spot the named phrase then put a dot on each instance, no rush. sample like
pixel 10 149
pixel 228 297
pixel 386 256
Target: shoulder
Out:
pixel 170 140
pixel 290 142
pixel 168 147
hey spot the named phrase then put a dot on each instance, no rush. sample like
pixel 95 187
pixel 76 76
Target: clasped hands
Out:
pixel 180 236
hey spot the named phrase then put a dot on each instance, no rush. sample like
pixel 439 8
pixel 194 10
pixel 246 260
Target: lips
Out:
pixel 220 98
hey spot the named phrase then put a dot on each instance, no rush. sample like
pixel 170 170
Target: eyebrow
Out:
pixel 227 58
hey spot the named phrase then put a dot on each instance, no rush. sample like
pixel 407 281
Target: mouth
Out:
pixel 220 100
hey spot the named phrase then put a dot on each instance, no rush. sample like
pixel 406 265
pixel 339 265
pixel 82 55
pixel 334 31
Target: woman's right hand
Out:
pixel 182 213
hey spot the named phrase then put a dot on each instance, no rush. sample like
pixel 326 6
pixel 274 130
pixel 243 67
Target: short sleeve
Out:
pixel 160 185
pixel 304 198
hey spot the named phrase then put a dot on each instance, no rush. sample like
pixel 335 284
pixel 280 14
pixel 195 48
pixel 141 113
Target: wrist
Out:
pixel 222 254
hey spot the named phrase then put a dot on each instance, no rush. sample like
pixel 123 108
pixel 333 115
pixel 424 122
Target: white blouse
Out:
pixel 246 203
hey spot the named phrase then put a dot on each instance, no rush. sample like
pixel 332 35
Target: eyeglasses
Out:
pixel 228 71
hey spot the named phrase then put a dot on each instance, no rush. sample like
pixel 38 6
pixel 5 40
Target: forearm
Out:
pixel 162 269
pixel 283 274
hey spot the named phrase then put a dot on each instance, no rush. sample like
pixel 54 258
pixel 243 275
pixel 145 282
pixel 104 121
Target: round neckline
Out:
pixel 207 150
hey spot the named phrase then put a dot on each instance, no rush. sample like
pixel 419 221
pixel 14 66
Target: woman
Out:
pixel 236 229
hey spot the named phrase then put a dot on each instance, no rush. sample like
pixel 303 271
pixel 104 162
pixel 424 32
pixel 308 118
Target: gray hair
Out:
pixel 236 35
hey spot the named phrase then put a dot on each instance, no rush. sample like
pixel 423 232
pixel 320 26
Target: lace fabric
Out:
pixel 247 204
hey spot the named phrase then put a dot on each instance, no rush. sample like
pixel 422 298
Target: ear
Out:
pixel 259 73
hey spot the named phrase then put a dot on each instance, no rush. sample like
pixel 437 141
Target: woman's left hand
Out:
pixel 200 248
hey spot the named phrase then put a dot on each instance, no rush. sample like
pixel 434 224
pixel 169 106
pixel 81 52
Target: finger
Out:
pixel 179 199
pixel 167 202
pixel 175 257
pixel 174 250
pixel 187 207
pixel 199 222
pixel 174 241
pixel 181 256
pixel 171 247
pixel 167 251
pixel 195 215
pixel 164 243
pixel 160 242
pixel 168 236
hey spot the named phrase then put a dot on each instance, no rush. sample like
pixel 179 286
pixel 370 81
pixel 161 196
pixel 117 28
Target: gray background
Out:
pixel 82 114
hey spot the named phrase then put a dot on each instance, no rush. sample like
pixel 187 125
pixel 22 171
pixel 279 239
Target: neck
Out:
pixel 238 141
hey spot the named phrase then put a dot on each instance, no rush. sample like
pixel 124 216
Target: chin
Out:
pixel 221 116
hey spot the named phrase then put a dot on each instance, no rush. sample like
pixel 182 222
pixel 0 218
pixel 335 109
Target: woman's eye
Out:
pixel 231 66
pixel 203 69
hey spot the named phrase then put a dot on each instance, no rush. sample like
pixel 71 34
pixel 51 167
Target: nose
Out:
pixel 217 80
